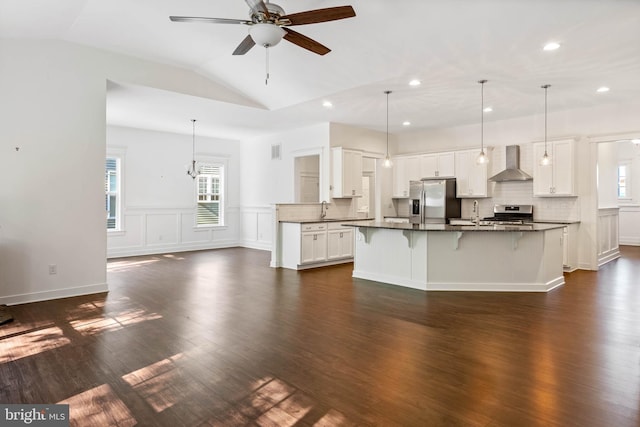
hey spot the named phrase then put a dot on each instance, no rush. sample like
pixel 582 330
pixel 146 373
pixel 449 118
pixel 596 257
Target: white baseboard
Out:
pixel 608 258
pixel 481 287
pixel 252 244
pixel 154 250
pixel 58 293
pixel 629 241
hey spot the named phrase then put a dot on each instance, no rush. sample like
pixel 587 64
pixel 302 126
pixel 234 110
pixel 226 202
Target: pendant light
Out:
pixel 192 171
pixel 482 157
pixel 387 160
pixel 545 160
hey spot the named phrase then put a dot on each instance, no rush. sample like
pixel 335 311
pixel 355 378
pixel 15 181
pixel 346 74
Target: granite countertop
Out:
pixel 447 227
pixel 550 221
pixel 318 220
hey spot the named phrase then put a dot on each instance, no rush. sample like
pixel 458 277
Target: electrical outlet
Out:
pixel 53 269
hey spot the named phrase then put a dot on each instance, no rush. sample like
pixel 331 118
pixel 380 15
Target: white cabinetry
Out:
pixel 339 242
pixel 556 179
pixel 405 169
pixel 347 173
pixel 309 245
pixel 471 178
pixel 313 243
pixel 437 165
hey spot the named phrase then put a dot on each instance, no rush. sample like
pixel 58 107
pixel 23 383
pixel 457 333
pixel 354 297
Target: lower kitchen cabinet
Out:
pixel 313 246
pixel 308 245
pixel 339 243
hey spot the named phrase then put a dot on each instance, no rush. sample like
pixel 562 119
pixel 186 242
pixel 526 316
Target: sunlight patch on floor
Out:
pixel 156 383
pixel 99 406
pixel 113 266
pixel 31 343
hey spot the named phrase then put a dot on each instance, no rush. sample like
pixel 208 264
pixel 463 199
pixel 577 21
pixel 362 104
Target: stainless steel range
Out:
pixel 510 215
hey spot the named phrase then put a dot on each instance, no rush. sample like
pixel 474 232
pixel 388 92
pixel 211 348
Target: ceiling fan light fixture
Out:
pixel 266 35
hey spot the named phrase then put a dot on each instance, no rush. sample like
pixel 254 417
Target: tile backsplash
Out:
pixel 338 208
pixel 521 193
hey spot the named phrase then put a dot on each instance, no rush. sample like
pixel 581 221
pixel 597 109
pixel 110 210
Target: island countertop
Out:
pixel 446 227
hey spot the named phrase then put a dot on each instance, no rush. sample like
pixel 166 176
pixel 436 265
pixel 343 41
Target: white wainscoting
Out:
pixel 149 230
pixel 630 225
pixel 608 247
pixel 257 227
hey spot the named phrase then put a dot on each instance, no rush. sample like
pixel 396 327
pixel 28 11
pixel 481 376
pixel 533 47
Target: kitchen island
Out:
pixel 526 258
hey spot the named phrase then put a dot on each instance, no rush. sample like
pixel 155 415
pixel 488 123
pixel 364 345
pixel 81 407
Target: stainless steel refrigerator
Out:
pixel 433 201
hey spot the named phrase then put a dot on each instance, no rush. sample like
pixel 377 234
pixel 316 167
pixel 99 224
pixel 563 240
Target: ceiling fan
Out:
pixel 269 24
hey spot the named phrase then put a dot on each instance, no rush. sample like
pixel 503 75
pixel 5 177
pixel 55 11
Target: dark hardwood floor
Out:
pixel 218 338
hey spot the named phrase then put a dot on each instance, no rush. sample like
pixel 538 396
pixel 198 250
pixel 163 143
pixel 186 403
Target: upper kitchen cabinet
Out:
pixel 437 165
pixel 558 178
pixel 347 172
pixel 471 178
pixel 405 169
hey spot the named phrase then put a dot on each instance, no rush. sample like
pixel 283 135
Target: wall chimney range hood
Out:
pixel 513 171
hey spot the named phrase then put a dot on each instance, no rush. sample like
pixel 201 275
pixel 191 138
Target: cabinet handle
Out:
pixel 341 235
pixel 315 237
pixel 437 173
pixel 353 192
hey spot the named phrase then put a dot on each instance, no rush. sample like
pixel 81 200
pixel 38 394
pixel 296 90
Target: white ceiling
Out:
pixel 447 44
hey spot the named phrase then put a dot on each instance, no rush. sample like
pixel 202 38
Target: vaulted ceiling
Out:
pixel 447 44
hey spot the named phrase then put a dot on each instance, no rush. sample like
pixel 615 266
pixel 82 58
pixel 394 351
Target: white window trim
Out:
pixel 209 159
pixel 628 163
pixel 118 153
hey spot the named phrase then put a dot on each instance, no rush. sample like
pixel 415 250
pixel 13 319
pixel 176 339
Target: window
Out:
pixel 210 195
pixel 624 180
pixel 112 192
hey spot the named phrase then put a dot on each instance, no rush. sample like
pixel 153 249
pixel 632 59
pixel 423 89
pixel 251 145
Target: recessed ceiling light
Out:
pixel 327 104
pixel 415 82
pixel 488 109
pixel 602 89
pixel 406 123
pixel 551 46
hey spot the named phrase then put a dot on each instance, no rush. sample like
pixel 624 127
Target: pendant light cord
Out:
pixel 387 92
pixel 482 82
pixel 545 87
pixel 192 171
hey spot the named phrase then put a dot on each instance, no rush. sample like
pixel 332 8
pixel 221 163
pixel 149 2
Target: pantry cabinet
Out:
pixel 558 178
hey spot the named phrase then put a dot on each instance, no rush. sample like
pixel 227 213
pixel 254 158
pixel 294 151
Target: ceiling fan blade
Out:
pixel 320 15
pixel 258 6
pixel 209 20
pixel 305 42
pixel 244 46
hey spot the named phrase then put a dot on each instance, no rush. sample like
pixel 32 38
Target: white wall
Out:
pixel 266 182
pixel 52 197
pixel 159 197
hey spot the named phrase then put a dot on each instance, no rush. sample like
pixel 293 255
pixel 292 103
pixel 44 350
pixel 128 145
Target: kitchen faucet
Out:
pixel 323 209
pixel 476 212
